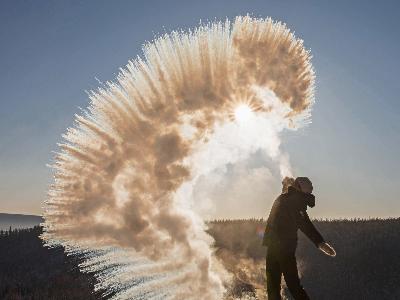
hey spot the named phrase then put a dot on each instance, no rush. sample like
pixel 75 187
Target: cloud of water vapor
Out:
pixel 123 183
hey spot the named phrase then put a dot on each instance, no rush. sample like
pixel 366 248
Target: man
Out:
pixel 288 214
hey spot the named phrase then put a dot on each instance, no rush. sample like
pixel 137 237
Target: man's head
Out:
pixel 303 184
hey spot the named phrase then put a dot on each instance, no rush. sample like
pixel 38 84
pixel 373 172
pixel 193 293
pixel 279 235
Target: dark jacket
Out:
pixel 289 213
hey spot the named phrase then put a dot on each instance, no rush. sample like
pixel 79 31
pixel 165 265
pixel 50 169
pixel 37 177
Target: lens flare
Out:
pixel 123 189
pixel 243 113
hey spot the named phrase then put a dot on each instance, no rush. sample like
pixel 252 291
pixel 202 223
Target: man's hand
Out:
pixel 327 249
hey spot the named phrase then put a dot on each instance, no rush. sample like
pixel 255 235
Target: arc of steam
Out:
pixel 113 198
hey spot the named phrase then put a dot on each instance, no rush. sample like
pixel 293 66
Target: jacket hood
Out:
pixel 309 199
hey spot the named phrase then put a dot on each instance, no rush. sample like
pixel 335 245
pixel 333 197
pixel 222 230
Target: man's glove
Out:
pixel 327 249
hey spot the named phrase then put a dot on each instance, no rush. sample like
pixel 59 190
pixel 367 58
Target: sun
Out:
pixel 243 113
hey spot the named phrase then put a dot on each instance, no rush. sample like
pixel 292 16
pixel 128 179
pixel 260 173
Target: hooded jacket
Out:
pixel 287 215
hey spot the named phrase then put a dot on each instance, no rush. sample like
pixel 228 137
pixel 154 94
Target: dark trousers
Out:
pixel 280 262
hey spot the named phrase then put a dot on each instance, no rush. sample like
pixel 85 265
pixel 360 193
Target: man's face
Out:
pixel 306 187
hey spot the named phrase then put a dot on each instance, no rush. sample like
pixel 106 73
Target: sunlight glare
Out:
pixel 243 113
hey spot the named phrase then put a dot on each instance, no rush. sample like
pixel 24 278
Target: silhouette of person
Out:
pixel 287 215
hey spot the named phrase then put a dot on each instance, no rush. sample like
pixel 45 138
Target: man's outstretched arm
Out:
pixel 313 234
pixel 308 228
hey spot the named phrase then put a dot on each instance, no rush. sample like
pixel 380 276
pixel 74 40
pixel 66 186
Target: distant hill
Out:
pixel 366 267
pixel 18 221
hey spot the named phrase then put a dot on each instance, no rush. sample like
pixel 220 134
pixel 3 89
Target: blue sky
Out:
pixel 52 52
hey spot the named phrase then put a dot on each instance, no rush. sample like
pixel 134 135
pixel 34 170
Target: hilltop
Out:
pixel 18 221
